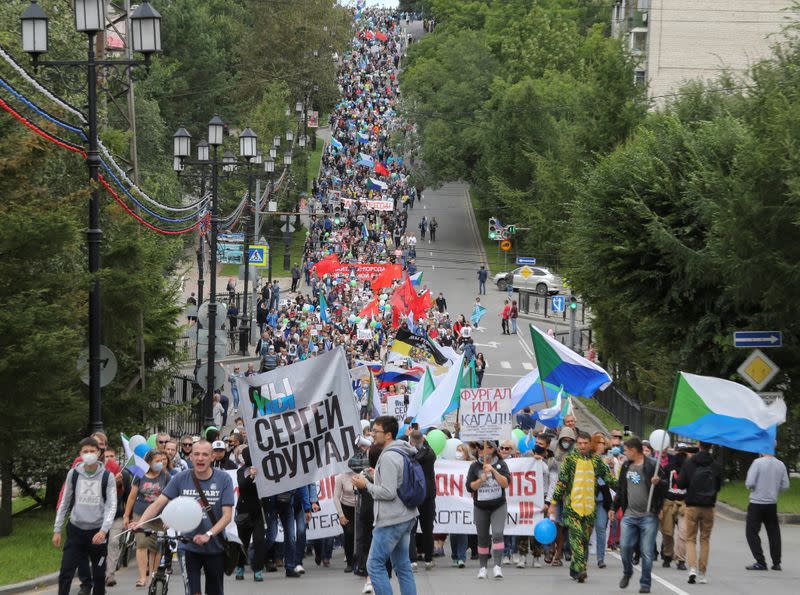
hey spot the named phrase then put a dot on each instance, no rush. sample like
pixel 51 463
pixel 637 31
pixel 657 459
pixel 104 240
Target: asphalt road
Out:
pixel 729 555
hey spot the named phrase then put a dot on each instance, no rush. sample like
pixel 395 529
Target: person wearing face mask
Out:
pixel 673 544
pixel 90 501
pixel 144 491
pixel 576 490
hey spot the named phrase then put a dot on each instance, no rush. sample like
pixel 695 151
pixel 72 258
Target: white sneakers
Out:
pixel 701 578
pixel 482 573
pixel 505 561
pixel 692 576
pixel 367 587
pixel 522 561
pixel 537 563
pixel 299 569
pixel 414 566
pixel 515 559
pixel 429 565
pixel 498 572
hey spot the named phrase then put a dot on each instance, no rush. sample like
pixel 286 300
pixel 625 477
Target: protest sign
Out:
pixel 364 334
pixel 396 407
pixel 524 496
pixel 371 205
pixel 485 414
pixel 301 421
pixel 323 523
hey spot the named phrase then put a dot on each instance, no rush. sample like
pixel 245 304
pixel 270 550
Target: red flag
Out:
pixel 380 169
pixel 381 35
pixel 327 265
pixel 370 310
pixel 421 303
pixel 387 277
pixel 404 297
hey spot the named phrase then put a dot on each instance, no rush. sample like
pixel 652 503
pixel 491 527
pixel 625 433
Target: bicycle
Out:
pixel 159 582
pixel 127 546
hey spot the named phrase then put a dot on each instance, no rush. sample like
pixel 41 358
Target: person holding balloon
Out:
pixel 487 481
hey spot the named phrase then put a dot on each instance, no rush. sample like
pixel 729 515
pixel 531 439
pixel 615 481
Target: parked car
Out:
pixel 540 281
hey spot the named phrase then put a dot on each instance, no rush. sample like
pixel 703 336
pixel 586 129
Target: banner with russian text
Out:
pixel 524 496
pixel 485 414
pixel 301 422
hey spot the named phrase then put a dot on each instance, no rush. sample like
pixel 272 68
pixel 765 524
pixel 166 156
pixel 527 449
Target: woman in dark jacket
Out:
pixel 250 519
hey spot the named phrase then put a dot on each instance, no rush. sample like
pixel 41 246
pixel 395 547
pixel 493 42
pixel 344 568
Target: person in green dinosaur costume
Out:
pixel 577 487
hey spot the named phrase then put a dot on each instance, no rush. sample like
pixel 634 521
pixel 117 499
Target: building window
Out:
pixel 640 77
pixel 638 41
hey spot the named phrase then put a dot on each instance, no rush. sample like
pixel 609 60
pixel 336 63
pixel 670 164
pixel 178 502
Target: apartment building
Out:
pixel 681 40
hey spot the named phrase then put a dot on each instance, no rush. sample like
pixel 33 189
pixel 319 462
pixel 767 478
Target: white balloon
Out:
pixel 183 514
pixel 659 440
pixel 450 449
pixel 136 441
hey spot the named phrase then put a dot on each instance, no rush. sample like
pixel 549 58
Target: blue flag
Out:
pixel 323 309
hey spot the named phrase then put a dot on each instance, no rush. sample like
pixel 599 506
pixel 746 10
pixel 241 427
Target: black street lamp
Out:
pixel 90 18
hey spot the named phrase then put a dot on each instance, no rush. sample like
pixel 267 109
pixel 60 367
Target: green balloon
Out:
pixel 436 440
pixel 151 441
pixel 358 319
pixel 517 434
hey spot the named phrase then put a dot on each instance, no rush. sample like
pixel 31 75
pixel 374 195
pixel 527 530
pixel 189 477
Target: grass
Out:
pixel 735 494
pixel 609 421
pixel 314 160
pixel 27 552
pixel 497 260
pixel 229 270
pixel 295 251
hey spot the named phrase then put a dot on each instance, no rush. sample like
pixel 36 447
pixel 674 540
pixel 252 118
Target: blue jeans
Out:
pixel 482 287
pixel 514 326
pixel 391 543
pixel 284 513
pixel 642 530
pixel 600 524
pixel 299 535
pixel 458 546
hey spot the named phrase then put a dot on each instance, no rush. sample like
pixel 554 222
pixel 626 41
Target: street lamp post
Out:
pixel 249 151
pixel 145 36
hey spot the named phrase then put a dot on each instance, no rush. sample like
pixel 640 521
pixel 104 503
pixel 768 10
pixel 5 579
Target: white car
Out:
pixel 532 278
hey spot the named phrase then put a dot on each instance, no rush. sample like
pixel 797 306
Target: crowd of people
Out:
pixel 597 487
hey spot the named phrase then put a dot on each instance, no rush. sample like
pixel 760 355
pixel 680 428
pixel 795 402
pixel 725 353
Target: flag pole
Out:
pixel 666 426
pixel 535 359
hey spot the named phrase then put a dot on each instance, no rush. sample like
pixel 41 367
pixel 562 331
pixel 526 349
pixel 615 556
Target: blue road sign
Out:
pixel 257 256
pixel 757 339
pixel 526 260
pixel 557 303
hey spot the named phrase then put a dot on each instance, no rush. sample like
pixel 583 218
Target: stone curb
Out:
pixel 32 584
pixel 784 518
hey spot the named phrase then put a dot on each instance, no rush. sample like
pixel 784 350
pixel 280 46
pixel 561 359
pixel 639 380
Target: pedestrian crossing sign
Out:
pixel 257 256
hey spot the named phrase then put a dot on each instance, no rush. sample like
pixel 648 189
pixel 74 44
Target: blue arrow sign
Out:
pixel 757 339
pixel 557 303
pixel 526 260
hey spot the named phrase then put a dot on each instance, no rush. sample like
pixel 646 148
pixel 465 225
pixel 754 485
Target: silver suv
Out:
pixel 536 279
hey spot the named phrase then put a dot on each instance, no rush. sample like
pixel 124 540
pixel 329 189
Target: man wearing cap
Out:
pixel 218 459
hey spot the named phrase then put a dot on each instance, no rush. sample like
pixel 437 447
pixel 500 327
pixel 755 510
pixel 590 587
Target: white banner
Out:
pixel 485 414
pixel 301 421
pixel 370 205
pixel 524 496
pixel 323 523
pixel 396 407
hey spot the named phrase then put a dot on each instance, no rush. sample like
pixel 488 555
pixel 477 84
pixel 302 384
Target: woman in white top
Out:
pixel 344 498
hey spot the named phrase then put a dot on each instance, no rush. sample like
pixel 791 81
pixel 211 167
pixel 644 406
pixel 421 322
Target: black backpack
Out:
pixel 703 487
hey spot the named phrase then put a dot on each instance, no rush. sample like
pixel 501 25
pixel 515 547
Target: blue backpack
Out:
pixel 412 490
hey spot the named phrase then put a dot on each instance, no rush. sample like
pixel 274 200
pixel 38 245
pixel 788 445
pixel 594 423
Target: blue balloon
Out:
pixel 141 450
pixel 523 445
pixel 545 532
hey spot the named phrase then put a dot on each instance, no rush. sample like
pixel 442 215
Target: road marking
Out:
pixel 505 365
pixel 527 365
pixel 431 253
pixel 656 578
pixel 525 348
pixel 504 375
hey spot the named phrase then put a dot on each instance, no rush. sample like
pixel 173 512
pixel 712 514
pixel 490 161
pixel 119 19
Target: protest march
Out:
pixel 365 421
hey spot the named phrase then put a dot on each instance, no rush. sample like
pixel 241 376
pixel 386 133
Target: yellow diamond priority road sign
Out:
pixel 525 272
pixel 758 369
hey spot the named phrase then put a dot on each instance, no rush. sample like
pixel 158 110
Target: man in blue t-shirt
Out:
pixel 205 550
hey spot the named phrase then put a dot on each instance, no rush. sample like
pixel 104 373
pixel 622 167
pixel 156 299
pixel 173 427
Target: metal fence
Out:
pixel 542 305
pixel 639 418
pixel 180 407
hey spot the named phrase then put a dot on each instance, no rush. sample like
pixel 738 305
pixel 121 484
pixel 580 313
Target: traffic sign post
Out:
pixel 758 370
pixel 505 245
pixel 757 339
pixel 526 260
pixel 557 303
pixel 257 256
